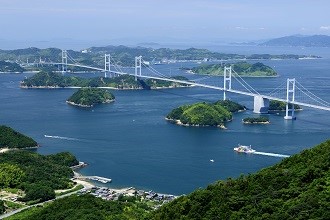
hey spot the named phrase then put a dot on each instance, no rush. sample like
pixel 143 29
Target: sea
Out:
pixel 130 141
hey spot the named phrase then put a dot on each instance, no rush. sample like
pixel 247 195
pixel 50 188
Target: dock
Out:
pixel 96 178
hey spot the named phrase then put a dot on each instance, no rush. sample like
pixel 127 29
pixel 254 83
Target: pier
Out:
pixel 95 178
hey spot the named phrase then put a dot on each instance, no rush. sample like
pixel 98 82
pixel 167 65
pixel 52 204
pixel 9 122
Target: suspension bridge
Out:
pixel 290 92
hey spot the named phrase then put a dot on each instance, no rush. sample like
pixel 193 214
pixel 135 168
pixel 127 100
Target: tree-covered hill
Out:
pixel 56 80
pixel 241 68
pixel 281 106
pixel 204 114
pixel 296 188
pixel 300 40
pixel 10 67
pixel 9 138
pixel 88 97
pixel 36 174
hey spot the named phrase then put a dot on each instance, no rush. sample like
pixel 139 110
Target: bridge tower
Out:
pixel 138 66
pixel 107 64
pixel 226 80
pixel 290 95
pixel 64 61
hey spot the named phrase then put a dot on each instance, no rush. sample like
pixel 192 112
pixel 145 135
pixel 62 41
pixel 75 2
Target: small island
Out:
pixel 204 114
pixel 47 80
pixel 11 139
pixel 241 68
pixel 281 106
pixel 88 97
pixel 257 120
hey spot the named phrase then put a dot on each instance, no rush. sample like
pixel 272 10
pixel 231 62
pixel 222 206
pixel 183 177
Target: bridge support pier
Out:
pixel 261 105
pixel 226 80
pixel 138 66
pixel 290 94
pixel 64 61
pixel 107 64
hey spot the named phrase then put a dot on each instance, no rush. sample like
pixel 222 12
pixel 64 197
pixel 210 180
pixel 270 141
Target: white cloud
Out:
pixel 325 28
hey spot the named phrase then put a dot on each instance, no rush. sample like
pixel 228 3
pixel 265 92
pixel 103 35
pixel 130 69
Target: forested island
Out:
pixel 57 80
pixel 204 114
pixel 11 67
pixel 275 105
pixel 241 68
pixel 9 138
pixel 295 188
pixel 256 120
pixel 88 97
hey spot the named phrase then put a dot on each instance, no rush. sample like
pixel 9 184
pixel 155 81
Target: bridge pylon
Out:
pixel 138 66
pixel 64 61
pixel 107 65
pixel 290 95
pixel 226 80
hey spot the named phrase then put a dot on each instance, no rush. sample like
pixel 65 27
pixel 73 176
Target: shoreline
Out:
pixel 88 106
pixel 178 122
pixel 6 149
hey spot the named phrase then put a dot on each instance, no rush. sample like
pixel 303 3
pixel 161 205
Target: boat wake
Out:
pixel 270 154
pixel 63 138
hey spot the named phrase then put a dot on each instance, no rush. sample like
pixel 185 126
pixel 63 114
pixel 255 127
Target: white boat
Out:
pixel 244 149
pixel 212 160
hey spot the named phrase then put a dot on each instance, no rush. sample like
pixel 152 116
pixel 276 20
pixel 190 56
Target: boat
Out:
pixel 212 160
pixel 244 149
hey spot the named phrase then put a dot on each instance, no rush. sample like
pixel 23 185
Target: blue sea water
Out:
pixel 130 142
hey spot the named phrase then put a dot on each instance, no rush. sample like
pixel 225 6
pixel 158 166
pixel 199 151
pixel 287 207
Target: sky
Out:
pixel 106 22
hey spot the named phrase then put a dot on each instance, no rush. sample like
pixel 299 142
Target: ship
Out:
pixel 244 149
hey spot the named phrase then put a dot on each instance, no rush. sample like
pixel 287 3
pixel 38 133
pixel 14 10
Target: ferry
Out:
pixel 244 149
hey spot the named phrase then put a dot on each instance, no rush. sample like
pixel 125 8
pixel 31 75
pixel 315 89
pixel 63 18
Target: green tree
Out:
pixel 10 175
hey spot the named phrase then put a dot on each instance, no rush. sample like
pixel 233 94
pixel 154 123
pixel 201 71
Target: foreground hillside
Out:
pixel 296 188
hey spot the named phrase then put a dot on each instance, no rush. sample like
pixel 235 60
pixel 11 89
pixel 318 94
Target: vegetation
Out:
pixel 54 80
pixel 10 138
pixel 204 114
pixel 241 68
pixel 296 188
pixel 280 106
pixel 88 97
pixel 258 120
pixel 10 67
pixel 36 174
pixel 87 207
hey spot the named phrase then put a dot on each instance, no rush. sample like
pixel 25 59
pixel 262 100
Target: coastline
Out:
pixel 178 122
pixel 6 149
pixel 88 106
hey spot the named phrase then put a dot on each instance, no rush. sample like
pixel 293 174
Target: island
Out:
pixel 204 114
pixel 241 68
pixel 257 120
pixel 10 67
pixel 88 97
pixel 275 105
pixel 11 139
pixel 45 79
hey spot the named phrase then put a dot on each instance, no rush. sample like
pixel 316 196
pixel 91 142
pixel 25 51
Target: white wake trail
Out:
pixel 270 154
pixel 63 138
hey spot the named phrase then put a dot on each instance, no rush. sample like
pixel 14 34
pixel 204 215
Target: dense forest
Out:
pixel 88 97
pixel 204 114
pixel 10 67
pixel 51 79
pixel 256 120
pixel 9 138
pixel 241 68
pixel 36 174
pixel 296 188
pixel 281 106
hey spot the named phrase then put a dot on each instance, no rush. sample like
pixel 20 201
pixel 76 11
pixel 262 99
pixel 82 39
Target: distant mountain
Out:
pixel 300 40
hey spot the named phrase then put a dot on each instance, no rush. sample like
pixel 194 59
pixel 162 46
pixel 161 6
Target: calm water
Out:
pixel 130 142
